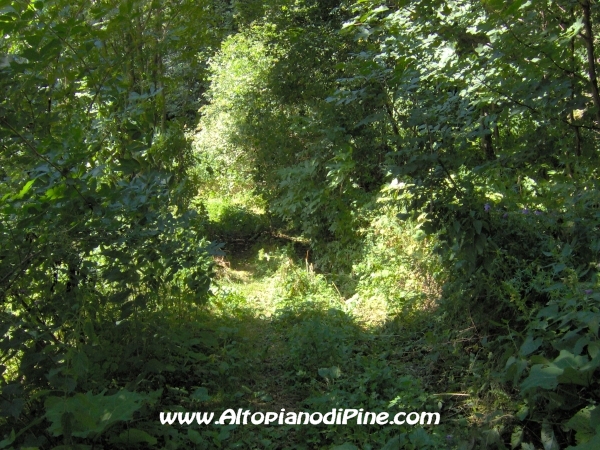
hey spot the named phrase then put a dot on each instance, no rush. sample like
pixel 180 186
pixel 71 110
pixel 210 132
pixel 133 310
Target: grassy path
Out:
pixel 298 347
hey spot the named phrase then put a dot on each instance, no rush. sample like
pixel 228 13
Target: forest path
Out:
pixel 249 281
pixel 298 346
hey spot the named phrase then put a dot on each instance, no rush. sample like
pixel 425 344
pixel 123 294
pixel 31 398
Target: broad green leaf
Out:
pixel 592 444
pixel 335 372
pixel 195 437
pixel 420 438
pixel 324 372
pixel 8 440
pixel 567 359
pixel 530 345
pixel 548 437
pixel 559 267
pixel 92 414
pixel 581 424
pixel 201 395
pixel 394 443
pixel 542 377
pixel 576 376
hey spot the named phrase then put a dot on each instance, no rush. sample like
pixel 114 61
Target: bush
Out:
pixel 231 221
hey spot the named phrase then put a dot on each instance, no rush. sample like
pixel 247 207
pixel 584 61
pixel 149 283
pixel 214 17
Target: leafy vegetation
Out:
pixel 299 205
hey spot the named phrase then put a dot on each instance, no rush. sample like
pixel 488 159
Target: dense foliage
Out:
pixel 95 229
pixel 432 165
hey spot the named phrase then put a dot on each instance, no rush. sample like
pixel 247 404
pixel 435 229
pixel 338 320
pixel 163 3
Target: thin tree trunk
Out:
pixel 486 139
pixel 588 38
pixel 572 114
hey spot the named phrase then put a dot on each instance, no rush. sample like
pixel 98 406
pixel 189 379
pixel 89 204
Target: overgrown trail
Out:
pixel 299 347
pixel 250 279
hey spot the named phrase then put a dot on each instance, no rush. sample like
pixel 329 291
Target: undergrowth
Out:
pixel 381 341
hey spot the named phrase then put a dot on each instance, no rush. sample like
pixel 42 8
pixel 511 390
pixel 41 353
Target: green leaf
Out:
pixel 92 414
pixel 135 436
pixel 345 446
pixel 516 437
pixel 12 408
pixel 552 310
pixel 195 437
pixel 8 440
pixel 592 444
pixel 530 345
pixel 335 372
pixel 542 377
pixel 567 359
pixel 566 251
pixel 392 444
pixel 7 10
pixel 523 412
pixel 420 438
pixel 595 418
pixel 581 424
pixel 575 376
pixel 547 437
pixel 114 274
pixel 324 372
pixel 25 189
pixel 559 267
pixel 201 395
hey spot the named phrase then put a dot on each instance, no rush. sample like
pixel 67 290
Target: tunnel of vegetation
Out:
pixel 299 204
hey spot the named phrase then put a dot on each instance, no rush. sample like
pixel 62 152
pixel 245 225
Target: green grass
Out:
pixel 304 347
pixel 292 337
